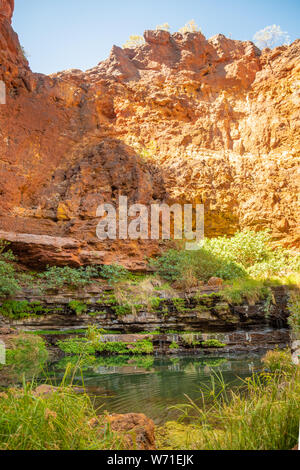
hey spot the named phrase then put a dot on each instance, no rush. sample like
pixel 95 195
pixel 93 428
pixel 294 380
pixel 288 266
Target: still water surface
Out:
pixel 151 385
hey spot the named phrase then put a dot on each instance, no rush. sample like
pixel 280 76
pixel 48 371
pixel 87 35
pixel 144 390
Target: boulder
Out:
pixel 136 429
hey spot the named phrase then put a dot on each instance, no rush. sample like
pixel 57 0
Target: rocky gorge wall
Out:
pixel 205 312
pixel 248 327
pixel 180 118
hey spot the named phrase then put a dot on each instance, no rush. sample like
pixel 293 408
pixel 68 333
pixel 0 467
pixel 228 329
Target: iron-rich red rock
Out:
pixel 216 121
pixel 136 430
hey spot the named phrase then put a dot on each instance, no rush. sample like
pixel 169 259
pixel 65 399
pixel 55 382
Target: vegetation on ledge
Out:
pixel 83 346
pixel 93 344
pixel 245 265
pixel 247 255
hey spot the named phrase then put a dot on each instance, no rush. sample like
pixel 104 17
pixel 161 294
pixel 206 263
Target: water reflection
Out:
pixel 152 384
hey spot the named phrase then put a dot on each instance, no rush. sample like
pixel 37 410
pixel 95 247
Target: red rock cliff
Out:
pixel 6 9
pixel 179 118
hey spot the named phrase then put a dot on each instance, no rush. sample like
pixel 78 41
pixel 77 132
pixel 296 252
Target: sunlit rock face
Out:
pixel 6 9
pixel 179 118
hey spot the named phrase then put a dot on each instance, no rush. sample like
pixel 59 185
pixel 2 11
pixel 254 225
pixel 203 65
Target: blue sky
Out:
pixel 63 34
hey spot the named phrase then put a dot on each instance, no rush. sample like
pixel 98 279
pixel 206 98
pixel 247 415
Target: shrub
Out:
pixel 87 362
pixel 24 53
pixel 140 347
pixel 78 307
pixel 191 339
pixel 190 27
pixel 93 334
pixel 212 343
pixel 246 254
pixel 245 248
pixel 84 346
pixel 173 345
pixel 163 27
pixel 20 309
pixel 250 290
pixel 77 346
pixel 123 310
pixel 57 278
pixel 134 41
pixel 253 251
pixel 168 266
pixel 278 360
pixel 270 36
pixel 8 283
pixel 114 273
pixel 192 266
pixel 132 296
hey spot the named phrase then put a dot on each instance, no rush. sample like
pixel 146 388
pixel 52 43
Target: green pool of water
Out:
pixel 152 385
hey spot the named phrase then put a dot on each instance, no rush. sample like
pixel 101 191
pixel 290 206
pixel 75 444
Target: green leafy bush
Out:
pixel 114 273
pixel 245 248
pixel 254 252
pixel 140 347
pixel 78 307
pixel 87 362
pixel 278 360
pixel 84 346
pixel 57 278
pixel 21 309
pixel 190 266
pixel 250 290
pixel 77 346
pixel 122 310
pixel 212 343
pixel 246 254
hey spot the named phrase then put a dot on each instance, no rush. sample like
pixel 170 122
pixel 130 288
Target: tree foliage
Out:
pixel 271 36
pixel 190 27
pixel 134 41
pixel 163 27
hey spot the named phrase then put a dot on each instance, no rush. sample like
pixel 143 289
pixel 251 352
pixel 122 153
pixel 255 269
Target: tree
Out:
pixel 134 41
pixel 190 27
pixel 163 27
pixel 270 37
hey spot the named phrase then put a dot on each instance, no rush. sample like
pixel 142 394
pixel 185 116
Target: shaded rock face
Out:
pixel 220 117
pixel 206 313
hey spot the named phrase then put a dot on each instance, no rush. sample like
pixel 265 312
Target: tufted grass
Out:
pixel 263 415
pixel 60 420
